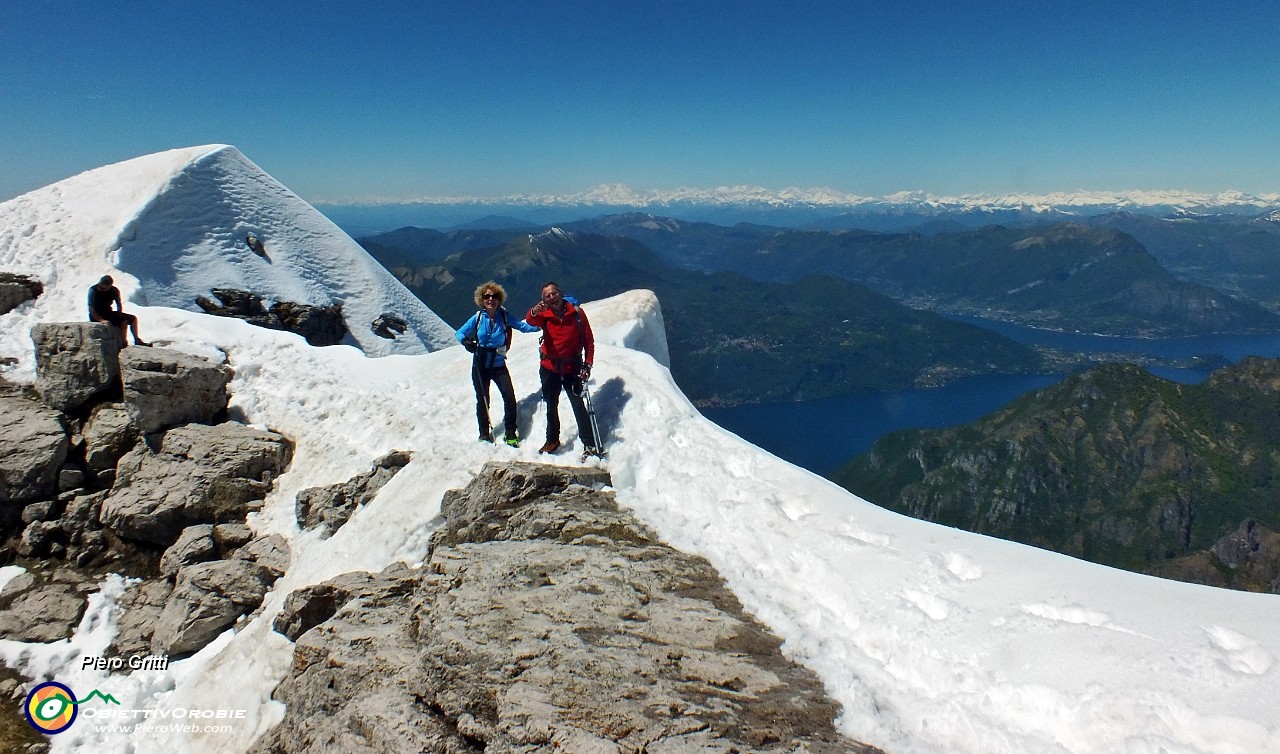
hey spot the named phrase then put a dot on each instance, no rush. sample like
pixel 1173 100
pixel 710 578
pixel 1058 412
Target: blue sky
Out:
pixel 346 100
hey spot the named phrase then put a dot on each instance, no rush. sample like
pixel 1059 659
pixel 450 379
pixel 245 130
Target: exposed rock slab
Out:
pixel 33 448
pixel 195 474
pixel 166 388
pixel 16 290
pixel 142 604
pixel 75 361
pixel 333 505
pixel 320 325
pixel 43 607
pixel 109 433
pixel 545 620
pixel 207 600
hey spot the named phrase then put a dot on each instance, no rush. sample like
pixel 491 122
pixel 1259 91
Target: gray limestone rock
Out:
pixel 207 600
pixel 142 605
pixel 75 361
pixel 195 545
pixel 16 290
pixel 231 536
pixel 1253 553
pixel 108 434
pixel 545 619
pixel 196 474
pixel 43 607
pixel 33 448
pixel 70 477
pixel 333 505
pixel 388 326
pixel 165 388
pixel 272 552
pixel 45 510
pixel 41 539
pixel 478 512
pixel 320 325
pixel 310 606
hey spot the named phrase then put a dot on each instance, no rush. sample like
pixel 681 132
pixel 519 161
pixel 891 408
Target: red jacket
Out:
pixel 564 338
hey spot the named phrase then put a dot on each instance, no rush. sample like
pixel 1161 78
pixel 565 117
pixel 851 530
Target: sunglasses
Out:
pixel 489 295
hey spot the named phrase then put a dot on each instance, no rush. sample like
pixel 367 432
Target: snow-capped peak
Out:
pixel 618 195
pixel 172 226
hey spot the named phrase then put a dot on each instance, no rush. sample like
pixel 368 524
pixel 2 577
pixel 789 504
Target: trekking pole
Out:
pixel 478 381
pixel 591 414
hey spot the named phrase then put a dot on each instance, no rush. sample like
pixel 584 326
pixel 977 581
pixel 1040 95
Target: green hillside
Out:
pixel 1112 465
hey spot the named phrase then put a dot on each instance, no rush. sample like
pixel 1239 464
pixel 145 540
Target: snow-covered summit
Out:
pixel 173 226
pixel 933 640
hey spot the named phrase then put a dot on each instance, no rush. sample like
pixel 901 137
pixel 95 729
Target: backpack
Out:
pixel 472 341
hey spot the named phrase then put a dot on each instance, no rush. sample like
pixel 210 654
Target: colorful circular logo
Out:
pixel 51 707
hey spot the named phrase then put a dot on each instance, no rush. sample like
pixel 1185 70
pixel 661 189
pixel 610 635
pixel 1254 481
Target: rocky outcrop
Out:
pixel 210 578
pixel 43 607
pixel 33 449
pixel 1247 558
pixel 117 485
pixel 207 600
pixel 320 325
pixel 333 506
pixel 108 434
pixel 141 607
pixel 190 475
pixel 389 326
pixel 545 619
pixel 165 388
pixel 16 290
pixel 75 361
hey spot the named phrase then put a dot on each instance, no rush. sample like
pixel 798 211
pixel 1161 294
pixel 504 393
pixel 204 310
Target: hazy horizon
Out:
pixel 457 99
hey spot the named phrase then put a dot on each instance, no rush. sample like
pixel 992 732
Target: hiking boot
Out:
pixel 550 446
pixel 486 437
pixel 591 450
pixel 142 343
pixel 512 440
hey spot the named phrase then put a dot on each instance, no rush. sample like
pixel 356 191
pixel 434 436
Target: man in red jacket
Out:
pixel 568 349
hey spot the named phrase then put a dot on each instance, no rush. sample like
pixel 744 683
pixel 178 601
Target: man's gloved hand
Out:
pixel 470 345
pixel 584 373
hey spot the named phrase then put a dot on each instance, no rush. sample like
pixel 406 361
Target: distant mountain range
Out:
pixel 1063 276
pixel 1235 254
pixel 791 207
pixel 732 339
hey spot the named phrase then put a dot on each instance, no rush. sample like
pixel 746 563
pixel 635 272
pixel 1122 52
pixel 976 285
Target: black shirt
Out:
pixel 101 302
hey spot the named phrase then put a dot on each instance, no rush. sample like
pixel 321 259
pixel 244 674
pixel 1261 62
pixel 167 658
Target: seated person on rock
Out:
pixel 105 307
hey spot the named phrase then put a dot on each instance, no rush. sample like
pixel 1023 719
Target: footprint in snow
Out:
pixel 961 567
pixel 1239 652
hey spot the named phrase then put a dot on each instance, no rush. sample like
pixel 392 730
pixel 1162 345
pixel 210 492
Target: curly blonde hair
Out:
pixel 490 286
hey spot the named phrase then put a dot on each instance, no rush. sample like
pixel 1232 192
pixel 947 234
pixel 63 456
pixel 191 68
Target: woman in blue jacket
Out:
pixel 487 335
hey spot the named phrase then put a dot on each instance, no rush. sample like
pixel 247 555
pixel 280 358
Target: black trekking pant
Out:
pixel 551 385
pixel 481 377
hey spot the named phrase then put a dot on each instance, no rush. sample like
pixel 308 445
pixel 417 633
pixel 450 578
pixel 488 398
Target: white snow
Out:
pixel 171 226
pixel 933 640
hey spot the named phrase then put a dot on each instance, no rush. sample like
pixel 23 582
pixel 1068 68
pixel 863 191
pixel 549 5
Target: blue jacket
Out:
pixel 491 336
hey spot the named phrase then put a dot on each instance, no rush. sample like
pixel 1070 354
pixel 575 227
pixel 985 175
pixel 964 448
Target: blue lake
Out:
pixel 822 434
